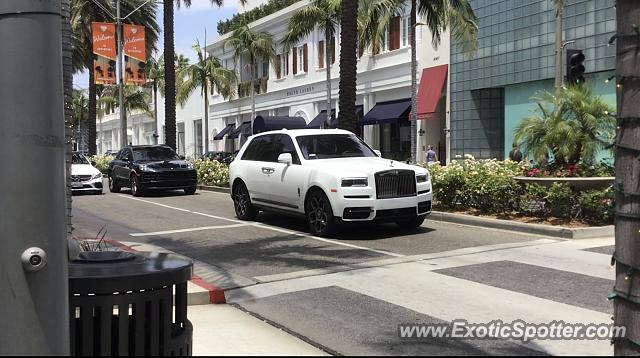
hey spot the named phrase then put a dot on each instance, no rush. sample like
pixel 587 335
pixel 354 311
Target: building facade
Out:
pixel 383 90
pixel 491 90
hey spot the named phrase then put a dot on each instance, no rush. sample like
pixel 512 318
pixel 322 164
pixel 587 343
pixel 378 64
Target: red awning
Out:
pixel 432 84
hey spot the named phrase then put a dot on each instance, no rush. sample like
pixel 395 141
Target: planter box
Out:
pixel 575 183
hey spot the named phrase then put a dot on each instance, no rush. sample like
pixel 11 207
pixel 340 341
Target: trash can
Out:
pixel 123 303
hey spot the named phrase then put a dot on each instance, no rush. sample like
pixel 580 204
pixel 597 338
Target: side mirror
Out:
pixel 182 157
pixel 93 162
pixel 285 158
pixel 378 153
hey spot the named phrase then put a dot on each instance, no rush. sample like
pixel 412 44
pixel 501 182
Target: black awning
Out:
pixel 244 129
pixel 226 130
pixel 387 112
pixel 321 119
pixel 265 124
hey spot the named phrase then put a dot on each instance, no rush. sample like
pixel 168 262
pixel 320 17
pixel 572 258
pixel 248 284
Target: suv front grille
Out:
pixel 395 184
pixel 80 178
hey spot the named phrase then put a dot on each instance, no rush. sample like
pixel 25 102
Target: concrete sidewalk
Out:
pixel 226 330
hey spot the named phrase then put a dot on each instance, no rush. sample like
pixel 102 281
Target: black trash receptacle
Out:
pixel 123 304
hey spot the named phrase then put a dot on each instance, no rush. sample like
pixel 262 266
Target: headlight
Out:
pixel 189 165
pixel 144 167
pixel 97 176
pixel 421 178
pixel 355 182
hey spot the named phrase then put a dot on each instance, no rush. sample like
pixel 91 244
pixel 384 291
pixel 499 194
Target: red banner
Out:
pixel 104 50
pixel 134 55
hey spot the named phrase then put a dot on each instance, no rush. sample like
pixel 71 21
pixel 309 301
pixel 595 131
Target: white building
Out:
pixel 383 92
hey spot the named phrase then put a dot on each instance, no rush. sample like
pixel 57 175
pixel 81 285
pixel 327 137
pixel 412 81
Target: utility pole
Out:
pixel 627 184
pixel 34 292
pixel 123 110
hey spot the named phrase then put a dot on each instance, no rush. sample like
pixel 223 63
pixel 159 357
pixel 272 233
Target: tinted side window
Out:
pixel 260 149
pixel 284 144
pixel 120 154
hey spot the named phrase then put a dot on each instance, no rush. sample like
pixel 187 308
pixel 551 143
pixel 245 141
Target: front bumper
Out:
pixel 93 185
pixel 169 180
pixel 361 204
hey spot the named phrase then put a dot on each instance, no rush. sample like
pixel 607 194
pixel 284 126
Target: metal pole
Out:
pixel 122 110
pixel 33 304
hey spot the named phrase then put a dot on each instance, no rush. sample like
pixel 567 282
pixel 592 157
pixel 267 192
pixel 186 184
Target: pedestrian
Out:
pixel 515 154
pixel 431 155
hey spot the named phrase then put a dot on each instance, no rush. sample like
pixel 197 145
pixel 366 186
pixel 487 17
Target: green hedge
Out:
pixel 489 186
pixel 212 172
pixel 102 162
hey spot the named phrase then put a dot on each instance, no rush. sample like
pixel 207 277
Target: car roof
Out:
pixel 305 132
pixel 147 146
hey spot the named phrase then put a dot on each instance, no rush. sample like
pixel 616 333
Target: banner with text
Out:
pixel 134 55
pixel 104 52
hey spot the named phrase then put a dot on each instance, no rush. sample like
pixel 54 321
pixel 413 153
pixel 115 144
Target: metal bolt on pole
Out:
pixel 34 255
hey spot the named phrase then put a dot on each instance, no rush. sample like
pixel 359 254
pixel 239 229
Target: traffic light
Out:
pixel 575 67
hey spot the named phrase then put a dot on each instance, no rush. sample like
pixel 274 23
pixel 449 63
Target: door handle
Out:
pixel 268 170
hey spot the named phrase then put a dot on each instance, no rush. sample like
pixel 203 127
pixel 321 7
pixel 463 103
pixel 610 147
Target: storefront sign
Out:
pixel 300 91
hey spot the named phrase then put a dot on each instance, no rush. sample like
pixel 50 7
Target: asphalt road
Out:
pixel 348 294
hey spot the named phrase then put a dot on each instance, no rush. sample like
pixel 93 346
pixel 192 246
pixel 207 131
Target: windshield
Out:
pixel 328 146
pixel 79 159
pixel 154 154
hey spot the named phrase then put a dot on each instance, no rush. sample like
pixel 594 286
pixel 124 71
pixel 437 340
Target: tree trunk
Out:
pixel 155 112
pixel 67 77
pixel 558 82
pixel 169 77
pixel 253 90
pixel 348 65
pixel 206 117
pixel 91 126
pixel 414 84
pixel 327 57
pixel 627 225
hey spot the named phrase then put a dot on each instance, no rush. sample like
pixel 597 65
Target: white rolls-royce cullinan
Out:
pixel 328 176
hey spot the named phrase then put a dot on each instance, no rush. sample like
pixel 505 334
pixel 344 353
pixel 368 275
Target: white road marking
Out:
pixel 202 228
pixel 269 227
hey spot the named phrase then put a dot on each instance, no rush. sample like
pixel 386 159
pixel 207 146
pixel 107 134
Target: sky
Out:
pixel 189 26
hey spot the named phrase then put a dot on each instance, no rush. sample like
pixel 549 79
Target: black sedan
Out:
pixel 151 167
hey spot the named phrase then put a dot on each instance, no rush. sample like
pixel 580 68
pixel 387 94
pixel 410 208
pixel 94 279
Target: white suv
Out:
pixel 327 176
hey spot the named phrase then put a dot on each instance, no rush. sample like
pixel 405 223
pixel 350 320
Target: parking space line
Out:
pixel 202 228
pixel 269 227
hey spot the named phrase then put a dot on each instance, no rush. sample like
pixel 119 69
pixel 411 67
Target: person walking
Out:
pixel 431 155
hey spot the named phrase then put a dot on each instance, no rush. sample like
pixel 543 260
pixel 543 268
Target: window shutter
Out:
pixel 306 56
pixel 321 54
pixel 279 73
pixel 333 50
pixel 394 34
pixel 295 61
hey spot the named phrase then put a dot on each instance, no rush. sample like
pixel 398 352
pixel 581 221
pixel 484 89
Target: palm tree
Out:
pixel 558 5
pixel 206 74
pixel 80 110
pixel 258 46
pixel 627 222
pixel 440 16
pixel 155 74
pixel 348 65
pixel 134 98
pixel 169 72
pixel 322 14
pixel 573 125
pixel 83 13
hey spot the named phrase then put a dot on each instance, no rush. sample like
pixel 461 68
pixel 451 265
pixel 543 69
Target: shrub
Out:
pixel 212 172
pixel 533 200
pixel 561 200
pixel 102 162
pixel 597 206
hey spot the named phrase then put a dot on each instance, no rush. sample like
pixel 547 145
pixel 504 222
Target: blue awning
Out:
pixel 387 112
pixel 321 118
pixel 226 130
pixel 245 129
pixel 265 124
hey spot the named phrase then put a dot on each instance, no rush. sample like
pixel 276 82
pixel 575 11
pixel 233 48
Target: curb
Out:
pixel 215 293
pixel 539 229
pixel 218 189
